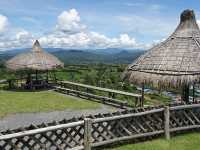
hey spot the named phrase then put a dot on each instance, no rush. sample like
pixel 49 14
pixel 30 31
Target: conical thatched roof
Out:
pixel 172 63
pixel 36 59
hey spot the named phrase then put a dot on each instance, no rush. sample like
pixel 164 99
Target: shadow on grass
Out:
pixel 18 89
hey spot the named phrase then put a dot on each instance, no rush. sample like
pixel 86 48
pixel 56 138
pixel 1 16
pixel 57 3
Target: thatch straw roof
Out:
pixel 36 59
pixel 172 63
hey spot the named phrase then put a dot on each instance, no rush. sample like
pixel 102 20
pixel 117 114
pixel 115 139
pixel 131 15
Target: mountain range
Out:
pixel 74 56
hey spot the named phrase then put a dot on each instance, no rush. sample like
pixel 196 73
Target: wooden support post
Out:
pixel 10 84
pixel 142 98
pixel 136 101
pixel 113 95
pixel 61 84
pixel 166 122
pixel 193 92
pixel 187 90
pixel 55 79
pixel 87 133
pixel 109 94
pixel 36 75
pixel 47 76
pixel 185 93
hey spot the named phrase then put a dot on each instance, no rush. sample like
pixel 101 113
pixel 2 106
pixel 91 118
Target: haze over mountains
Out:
pixel 72 56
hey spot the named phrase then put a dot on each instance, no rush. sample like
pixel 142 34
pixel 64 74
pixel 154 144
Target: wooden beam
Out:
pixel 102 89
pixel 40 130
pixel 185 93
pixel 87 133
pixel 166 121
pixel 193 92
pixel 142 98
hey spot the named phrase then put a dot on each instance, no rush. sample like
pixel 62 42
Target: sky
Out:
pixel 90 24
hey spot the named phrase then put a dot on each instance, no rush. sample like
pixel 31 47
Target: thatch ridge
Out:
pixel 173 62
pixel 36 59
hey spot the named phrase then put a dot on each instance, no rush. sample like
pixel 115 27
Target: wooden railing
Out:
pixel 95 132
pixel 93 97
pixel 3 81
pixel 77 89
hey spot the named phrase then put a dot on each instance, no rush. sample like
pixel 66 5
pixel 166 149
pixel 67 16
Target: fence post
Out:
pixel 87 133
pixel 166 122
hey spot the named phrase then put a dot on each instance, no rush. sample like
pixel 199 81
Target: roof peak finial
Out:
pixel 36 46
pixel 187 14
pixel 37 43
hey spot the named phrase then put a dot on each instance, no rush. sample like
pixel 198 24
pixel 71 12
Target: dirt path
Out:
pixel 24 119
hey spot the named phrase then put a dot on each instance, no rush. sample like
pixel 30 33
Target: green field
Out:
pixel 182 142
pixel 18 102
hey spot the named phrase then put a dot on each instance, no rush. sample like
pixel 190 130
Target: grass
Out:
pixel 182 142
pixel 156 99
pixel 45 101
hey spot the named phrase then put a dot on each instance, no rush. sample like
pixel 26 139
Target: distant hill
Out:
pixel 107 56
pixel 88 57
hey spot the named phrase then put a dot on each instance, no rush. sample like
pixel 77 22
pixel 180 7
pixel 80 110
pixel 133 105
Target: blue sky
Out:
pixel 89 23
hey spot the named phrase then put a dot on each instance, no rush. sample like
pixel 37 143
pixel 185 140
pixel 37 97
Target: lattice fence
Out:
pixel 184 117
pixel 66 136
pixel 102 129
pixel 124 127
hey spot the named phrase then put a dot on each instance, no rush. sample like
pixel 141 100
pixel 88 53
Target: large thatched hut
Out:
pixel 34 61
pixel 173 63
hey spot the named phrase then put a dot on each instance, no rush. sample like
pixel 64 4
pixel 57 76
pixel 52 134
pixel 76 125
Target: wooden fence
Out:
pixel 94 132
pixel 89 96
pixel 84 90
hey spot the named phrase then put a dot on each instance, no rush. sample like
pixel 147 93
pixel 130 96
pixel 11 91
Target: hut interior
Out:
pixel 173 63
pixel 34 67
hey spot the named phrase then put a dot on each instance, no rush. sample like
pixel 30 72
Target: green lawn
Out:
pixel 17 102
pixel 182 142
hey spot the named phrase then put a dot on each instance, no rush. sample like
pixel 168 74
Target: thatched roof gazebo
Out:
pixel 174 63
pixel 36 60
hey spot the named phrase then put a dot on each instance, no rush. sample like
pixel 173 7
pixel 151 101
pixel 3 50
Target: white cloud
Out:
pixel 126 19
pixel 71 33
pixel 3 23
pixel 69 21
pixel 145 26
pixel 23 35
pixel 18 39
pixel 24 38
pixel 151 7
pixel 29 19
pixel 89 40
pixel 133 4
pixel 155 7
pixel 78 40
pixel 13 37
pixel 101 41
